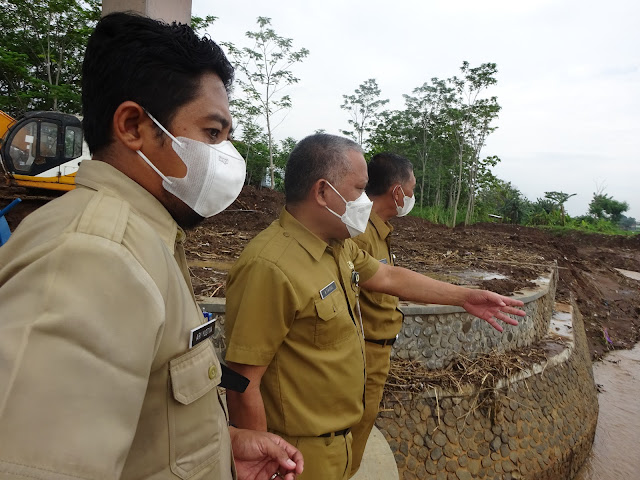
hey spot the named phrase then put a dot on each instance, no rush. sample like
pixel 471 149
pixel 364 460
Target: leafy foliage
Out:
pixel 362 107
pixel 42 45
pixel 604 206
pixel 265 70
pixel 442 129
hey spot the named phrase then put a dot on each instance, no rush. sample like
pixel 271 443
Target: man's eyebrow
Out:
pixel 216 117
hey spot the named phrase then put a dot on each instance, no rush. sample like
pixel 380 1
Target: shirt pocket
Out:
pixel 377 297
pixel 196 418
pixel 333 321
pixel 384 300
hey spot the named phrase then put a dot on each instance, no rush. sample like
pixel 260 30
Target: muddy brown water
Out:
pixel 616 448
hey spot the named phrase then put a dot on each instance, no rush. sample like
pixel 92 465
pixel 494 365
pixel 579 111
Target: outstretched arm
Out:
pixel 413 286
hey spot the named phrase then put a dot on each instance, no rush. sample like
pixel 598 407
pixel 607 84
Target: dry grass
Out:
pixel 483 372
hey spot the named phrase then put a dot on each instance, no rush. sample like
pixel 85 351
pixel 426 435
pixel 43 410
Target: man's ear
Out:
pixel 131 125
pixel 396 193
pixel 318 192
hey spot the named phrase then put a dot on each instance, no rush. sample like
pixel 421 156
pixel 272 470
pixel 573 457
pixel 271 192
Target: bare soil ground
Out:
pixel 609 301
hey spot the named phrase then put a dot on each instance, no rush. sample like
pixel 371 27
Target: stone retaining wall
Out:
pixel 538 426
pixel 436 334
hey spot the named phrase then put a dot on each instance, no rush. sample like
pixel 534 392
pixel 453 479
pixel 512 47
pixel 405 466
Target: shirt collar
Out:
pixel 98 175
pixel 383 228
pixel 310 242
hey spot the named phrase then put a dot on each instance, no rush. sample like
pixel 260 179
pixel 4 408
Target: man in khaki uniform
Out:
pixel 100 376
pixel 390 188
pixel 292 318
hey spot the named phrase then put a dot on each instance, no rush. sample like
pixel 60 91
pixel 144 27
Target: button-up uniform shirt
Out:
pixel 380 315
pixel 291 305
pixel 97 380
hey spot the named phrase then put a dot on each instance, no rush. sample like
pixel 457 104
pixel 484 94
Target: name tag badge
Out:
pixel 384 260
pixel 324 293
pixel 201 333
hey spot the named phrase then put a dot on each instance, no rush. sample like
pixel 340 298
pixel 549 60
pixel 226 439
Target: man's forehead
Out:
pixel 358 165
pixel 213 94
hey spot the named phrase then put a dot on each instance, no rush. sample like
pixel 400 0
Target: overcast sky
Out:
pixel 568 76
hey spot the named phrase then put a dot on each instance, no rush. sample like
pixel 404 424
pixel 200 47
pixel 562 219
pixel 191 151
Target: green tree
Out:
pixel 559 199
pixel 265 71
pixel 472 120
pixel 427 108
pixel 249 133
pixel 42 45
pixel 603 206
pixel 504 199
pixel 200 24
pixel 362 107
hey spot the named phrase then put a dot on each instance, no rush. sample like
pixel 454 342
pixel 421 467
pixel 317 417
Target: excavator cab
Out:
pixel 44 150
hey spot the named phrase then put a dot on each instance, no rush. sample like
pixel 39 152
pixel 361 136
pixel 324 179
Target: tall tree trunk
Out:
pixel 271 173
pixel 472 189
pixel 459 188
pixel 424 173
pixel 438 198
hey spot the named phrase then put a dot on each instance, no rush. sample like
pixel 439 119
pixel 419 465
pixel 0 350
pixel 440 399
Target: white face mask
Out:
pixel 215 174
pixel 409 202
pixel 356 215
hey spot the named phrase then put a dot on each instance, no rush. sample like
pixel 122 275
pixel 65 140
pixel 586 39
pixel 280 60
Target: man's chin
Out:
pixel 183 214
pixel 188 220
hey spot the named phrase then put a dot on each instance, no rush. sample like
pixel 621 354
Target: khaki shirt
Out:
pixel 312 343
pixel 380 315
pixel 96 376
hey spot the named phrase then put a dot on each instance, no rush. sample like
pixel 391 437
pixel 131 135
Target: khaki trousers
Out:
pixel 378 362
pixel 325 458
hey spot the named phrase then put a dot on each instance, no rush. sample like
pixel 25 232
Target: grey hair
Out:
pixel 313 158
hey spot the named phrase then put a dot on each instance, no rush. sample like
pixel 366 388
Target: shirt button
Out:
pixel 286 234
pixel 212 372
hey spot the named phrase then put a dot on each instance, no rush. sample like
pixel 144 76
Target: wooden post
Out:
pixel 165 10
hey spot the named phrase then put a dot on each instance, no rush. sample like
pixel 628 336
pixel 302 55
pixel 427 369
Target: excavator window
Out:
pixel 48 142
pixel 23 147
pixel 72 142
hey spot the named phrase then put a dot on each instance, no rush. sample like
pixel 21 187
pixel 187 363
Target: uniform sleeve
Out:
pixel 363 242
pixel 260 308
pixel 79 328
pixel 364 263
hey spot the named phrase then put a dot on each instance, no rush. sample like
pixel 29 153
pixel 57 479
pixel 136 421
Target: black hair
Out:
pixel 315 157
pixel 157 65
pixel 385 169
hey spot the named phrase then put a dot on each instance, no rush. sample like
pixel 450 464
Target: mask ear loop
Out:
pixel 393 194
pixel 162 128
pixel 334 189
pixel 144 157
pixel 345 202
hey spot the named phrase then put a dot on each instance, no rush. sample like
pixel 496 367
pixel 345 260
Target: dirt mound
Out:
pixel 516 255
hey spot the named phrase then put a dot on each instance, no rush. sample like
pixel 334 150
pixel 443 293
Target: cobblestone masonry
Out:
pixel 538 428
pixel 435 334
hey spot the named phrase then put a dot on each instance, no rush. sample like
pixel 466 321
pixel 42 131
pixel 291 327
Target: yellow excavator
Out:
pixel 42 150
